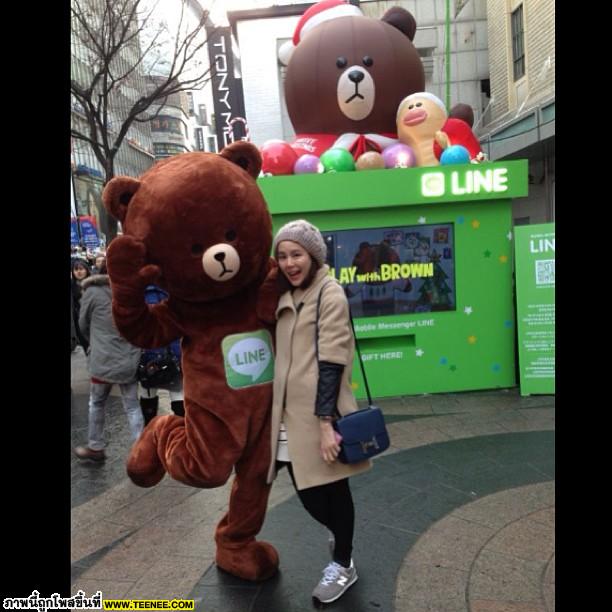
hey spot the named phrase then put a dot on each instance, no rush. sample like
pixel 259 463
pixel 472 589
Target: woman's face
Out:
pixel 294 261
pixel 80 272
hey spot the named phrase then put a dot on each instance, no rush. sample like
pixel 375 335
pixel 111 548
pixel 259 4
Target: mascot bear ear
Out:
pixel 402 20
pixel 117 195
pixel 245 155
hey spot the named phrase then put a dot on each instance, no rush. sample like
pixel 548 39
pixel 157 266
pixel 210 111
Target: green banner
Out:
pixel 535 298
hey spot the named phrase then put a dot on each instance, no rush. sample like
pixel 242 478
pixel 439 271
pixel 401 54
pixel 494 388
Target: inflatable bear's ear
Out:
pixel 464 112
pixel 245 155
pixel 117 195
pixel 402 20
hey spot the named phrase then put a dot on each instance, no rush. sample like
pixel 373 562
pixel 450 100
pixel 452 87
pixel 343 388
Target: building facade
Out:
pixel 521 121
pixel 170 128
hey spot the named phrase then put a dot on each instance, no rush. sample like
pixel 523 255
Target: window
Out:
pixel 202 114
pixel 518 45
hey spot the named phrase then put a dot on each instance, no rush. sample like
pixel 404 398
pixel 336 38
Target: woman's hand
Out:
pixel 329 446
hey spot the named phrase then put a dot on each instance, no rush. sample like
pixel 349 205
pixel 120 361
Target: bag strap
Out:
pixel 365 379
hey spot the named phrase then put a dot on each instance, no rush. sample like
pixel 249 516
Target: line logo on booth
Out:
pixel 464 182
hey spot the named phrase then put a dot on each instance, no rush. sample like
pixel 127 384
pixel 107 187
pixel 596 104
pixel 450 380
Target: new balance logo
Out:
pixel 342 580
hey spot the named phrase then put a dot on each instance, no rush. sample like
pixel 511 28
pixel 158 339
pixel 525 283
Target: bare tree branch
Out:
pixel 117 45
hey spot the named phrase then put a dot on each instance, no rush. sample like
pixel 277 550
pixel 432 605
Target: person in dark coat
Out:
pixel 149 399
pixel 111 360
pixel 79 271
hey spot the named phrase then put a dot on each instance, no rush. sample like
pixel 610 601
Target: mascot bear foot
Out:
pixel 254 560
pixel 144 467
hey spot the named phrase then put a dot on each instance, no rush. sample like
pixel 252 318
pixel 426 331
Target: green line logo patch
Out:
pixel 248 359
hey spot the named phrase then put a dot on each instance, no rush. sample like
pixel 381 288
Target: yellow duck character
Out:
pixel 420 118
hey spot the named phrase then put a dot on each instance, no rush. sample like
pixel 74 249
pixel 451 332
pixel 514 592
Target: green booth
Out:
pixel 425 258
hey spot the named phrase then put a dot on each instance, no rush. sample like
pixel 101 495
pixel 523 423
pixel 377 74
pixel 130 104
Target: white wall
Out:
pixel 257 39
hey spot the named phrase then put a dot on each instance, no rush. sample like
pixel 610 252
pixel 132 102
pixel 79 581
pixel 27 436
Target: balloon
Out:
pixel 337 160
pixel 277 157
pixel 308 164
pixel 370 160
pixel 399 156
pixel 455 154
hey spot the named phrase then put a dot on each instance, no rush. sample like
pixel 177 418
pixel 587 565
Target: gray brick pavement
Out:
pixel 466 489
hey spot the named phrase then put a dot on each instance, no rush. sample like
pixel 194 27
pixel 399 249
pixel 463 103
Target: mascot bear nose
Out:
pixel 356 76
pixel 221 262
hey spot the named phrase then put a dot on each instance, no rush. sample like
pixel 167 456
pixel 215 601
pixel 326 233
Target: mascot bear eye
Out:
pixel 230 235
pixel 197 249
pixel 367 61
pixel 341 62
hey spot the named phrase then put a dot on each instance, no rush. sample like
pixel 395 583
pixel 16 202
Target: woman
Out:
pixel 78 273
pixel 112 360
pixel 309 393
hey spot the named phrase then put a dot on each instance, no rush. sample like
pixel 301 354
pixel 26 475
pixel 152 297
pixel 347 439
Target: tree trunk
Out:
pixel 108 222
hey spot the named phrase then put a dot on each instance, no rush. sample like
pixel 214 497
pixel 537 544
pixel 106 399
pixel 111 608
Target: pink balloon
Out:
pixel 278 157
pixel 308 164
pixel 399 156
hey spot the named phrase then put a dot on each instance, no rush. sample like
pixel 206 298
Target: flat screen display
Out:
pixel 395 270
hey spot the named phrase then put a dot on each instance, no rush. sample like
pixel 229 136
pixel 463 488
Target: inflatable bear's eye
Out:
pixel 197 249
pixel 367 61
pixel 419 104
pixel 411 106
pixel 230 235
pixel 341 62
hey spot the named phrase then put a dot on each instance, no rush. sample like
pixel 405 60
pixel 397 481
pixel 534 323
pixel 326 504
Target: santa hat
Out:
pixel 312 17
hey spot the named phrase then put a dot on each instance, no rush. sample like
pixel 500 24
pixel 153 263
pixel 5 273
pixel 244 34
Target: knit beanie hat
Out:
pixel 306 235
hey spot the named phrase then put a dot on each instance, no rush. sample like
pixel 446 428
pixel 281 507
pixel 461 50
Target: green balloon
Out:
pixel 337 160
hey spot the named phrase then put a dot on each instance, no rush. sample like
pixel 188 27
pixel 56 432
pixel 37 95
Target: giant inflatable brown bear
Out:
pixel 346 76
pixel 197 225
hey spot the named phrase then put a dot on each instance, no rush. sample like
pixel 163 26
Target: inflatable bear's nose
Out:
pixel 221 262
pixel 356 76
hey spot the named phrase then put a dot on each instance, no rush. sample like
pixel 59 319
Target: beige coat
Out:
pixel 296 375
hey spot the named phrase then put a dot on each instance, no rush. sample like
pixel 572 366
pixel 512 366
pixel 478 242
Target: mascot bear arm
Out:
pixel 197 225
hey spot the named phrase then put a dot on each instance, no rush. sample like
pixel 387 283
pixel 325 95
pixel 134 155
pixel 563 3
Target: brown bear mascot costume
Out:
pixel 197 225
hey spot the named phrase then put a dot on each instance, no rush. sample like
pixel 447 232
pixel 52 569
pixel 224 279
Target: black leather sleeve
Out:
pixel 328 387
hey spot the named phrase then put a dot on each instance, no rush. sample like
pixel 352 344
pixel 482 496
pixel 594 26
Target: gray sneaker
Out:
pixel 336 580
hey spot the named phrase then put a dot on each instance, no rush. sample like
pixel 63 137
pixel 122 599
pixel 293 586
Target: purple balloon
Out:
pixel 308 164
pixel 399 156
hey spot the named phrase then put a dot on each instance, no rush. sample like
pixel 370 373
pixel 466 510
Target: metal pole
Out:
pixel 447 56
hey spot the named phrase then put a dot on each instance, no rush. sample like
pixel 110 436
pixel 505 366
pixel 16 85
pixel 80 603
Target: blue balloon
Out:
pixel 455 154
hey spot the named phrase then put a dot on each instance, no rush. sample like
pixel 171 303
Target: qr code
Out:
pixel 545 271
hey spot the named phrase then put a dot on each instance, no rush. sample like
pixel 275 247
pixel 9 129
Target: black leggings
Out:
pixel 331 505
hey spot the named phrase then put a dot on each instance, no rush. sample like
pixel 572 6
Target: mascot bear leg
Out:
pixel 164 447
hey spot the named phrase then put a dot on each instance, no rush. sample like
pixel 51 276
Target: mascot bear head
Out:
pixel 202 219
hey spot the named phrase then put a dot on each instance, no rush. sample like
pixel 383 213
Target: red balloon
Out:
pixel 278 157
